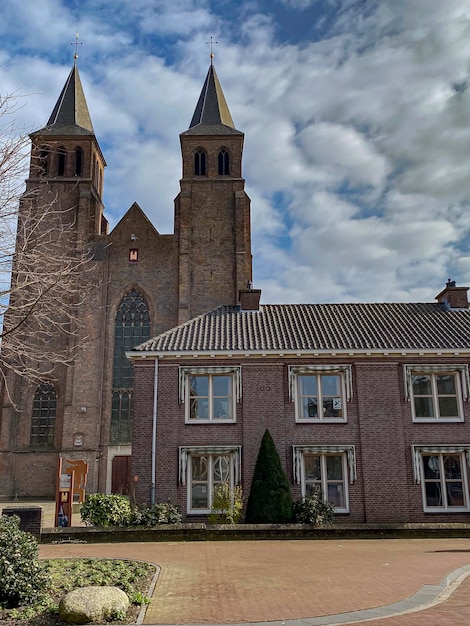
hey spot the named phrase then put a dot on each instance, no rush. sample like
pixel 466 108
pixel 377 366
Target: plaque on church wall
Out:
pixel 78 439
pixel 133 255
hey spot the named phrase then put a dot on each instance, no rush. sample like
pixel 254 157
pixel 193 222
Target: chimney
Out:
pixel 453 297
pixel 249 298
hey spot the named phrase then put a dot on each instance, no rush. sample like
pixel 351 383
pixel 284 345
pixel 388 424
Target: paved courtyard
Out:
pixel 266 581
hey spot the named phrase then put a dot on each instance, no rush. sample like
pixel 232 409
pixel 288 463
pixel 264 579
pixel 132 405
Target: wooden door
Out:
pixel 120 475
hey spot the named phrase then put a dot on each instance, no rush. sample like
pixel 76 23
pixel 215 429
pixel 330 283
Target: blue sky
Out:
pixel 356 116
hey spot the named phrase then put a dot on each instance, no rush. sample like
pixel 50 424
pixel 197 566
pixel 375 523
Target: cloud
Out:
pixel 357 142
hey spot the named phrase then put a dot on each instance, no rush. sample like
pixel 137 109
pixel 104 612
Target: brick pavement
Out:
pixel 259 581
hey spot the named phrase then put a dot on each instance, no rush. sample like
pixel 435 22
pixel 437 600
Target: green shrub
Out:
pixel 160 513
pixel 101 509
pixel 23 581
pixel 313 510
pixel 270 500
pixel 227 505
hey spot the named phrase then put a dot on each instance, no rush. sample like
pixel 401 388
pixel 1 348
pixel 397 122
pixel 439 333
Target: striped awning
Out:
pixel 186 451
pixel 184 372
pixel 418 451
pixel 299 451
pixel 295 370
pixel 409 370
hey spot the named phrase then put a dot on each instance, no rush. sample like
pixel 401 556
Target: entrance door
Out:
pixel 120 475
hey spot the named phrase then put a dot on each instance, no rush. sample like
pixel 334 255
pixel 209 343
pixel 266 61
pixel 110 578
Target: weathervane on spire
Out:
pixel 211 43
pixel 76 44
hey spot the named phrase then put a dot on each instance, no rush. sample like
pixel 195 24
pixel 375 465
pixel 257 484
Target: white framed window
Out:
pixel 320 392
pixel 442 472
pixel 210 394
pixel 202 469
pixel 326 470
pixel 436 393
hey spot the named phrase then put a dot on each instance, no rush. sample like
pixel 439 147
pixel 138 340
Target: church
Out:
pixel 183 368
pixel 145 283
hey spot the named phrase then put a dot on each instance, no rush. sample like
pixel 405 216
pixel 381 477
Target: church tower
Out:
pixel 212 210
pixel 65 154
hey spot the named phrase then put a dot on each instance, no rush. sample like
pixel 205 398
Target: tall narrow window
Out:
pixel 200 163
pixel 44 416
pixel 78 161
pixel 132 326
pixel 61 161
pixel 44 162
pixel 223 163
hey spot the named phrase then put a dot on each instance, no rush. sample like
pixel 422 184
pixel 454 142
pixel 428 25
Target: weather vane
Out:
pixel 76 43
pixel 211 43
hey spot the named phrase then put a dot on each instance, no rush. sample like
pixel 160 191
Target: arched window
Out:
pixel 44 161
pixel 78 161
pixel 44 416
pixel 223 163
pixel 200 163
pixel 132 326
pixel 61 161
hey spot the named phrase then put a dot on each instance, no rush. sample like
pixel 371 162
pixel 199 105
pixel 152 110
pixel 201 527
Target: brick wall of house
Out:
pixel 379 425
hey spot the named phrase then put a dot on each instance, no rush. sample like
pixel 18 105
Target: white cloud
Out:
pixel 357 146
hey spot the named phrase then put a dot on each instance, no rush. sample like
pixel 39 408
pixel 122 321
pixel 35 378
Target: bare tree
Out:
pixel 43 266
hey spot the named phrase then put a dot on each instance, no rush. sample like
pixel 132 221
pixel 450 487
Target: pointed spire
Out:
pixel 70 115
pixel 212 115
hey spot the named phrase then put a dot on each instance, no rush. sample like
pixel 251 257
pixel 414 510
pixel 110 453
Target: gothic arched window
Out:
pixel 224 169
pixel 132 326
pixel 78 161
pixel 44 416
pixel 200 163
pixel 61 161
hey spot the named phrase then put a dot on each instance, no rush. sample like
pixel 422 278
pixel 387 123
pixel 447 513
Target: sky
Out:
pixel 356 116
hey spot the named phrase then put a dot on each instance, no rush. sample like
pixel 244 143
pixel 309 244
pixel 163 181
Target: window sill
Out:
pixel 325 420
pixel 213 421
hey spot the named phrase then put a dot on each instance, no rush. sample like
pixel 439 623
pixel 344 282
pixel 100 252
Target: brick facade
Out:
pixel 379 425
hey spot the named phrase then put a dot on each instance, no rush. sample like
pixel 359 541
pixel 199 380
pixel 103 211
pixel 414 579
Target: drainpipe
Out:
pixel 154 432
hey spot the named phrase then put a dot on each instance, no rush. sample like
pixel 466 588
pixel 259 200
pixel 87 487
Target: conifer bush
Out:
pixel 23 581
pixel 270 500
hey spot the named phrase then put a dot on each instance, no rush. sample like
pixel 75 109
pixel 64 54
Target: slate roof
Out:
pixel 212 115
pixel 319 327
pixel 70 115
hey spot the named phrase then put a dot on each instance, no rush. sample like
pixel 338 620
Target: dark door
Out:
pixel 120 475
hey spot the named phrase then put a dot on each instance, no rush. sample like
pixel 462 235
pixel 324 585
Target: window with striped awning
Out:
pixel 299 451
pixel 185 452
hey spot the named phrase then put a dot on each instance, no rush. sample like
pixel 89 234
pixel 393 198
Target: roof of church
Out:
pixel 70 115
pixel 320 327
pixel 212 115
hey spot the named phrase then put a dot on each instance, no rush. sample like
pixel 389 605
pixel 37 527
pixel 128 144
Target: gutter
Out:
pixel 154 433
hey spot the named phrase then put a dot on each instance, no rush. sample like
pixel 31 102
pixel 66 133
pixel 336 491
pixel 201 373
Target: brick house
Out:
pixel 368 403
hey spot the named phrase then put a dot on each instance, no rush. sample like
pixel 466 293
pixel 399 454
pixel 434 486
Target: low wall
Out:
pixel 246 532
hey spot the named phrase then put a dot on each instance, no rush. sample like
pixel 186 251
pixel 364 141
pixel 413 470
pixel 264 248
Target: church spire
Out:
pixel 70 115
pixel 212 115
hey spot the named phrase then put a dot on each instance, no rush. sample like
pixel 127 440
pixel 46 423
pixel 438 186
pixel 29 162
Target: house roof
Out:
pixel 212 115
pixel 319 327
pixel 70 115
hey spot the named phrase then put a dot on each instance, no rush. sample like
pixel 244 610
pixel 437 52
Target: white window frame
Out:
pixel 344 371
pixel 185 378
pixel 420 453
pixel 186 455
pixel 348 454
pixel 460 374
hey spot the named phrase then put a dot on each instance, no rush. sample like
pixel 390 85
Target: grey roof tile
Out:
pixel 311 327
